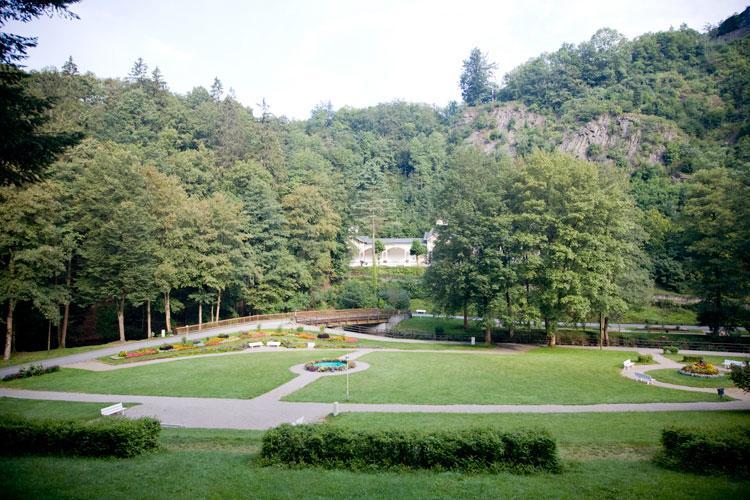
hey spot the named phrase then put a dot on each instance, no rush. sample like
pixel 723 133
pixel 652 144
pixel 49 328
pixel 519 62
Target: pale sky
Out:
pixel 297 53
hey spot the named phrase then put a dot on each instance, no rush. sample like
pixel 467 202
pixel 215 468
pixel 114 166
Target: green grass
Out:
pixel 432 346
pixel 449 325
pixel 715 360
pixel 34 408
pixel 671 376
pixel 540 376
pixel 652 314
pixel 235 376
pixel 20 358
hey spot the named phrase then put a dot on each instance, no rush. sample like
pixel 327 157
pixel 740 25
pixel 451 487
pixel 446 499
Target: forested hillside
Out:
pixel 175 205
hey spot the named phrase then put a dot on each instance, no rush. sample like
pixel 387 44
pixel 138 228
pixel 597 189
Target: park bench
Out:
pixel 642 377
pixel 111 410
pixel 272 343
pixel 729 363
pixel 627 364
pixel 255 344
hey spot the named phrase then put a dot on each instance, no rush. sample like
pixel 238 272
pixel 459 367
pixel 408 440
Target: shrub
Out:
pixel 645 358
pixel 671 349
pixel 257 327
pixel 702 451
pixel 31 371
pixel 324 336
pixel 300 329
pixel 439 330
pixel 692 359
pixel 741 376
pixel 470 449
pixel 223 335
pixel 118 437
pixel 166 347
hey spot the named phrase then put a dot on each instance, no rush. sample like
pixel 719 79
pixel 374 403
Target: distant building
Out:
pixel 397 251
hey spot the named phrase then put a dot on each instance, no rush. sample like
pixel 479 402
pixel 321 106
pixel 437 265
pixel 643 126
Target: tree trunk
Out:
pixel 218 304
pixel 211 308
pixel 149 332
pixel 487 334
pixel 66 306
pixel 49 335
pixel 511 325
pixel 121 317
pixel 167 312
pixel 466 315
pixel 605 330
pixel 601 330
pixel 200 315
pixel 9 329
pixel 549 328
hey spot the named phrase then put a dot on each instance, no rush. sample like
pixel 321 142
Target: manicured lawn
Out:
pixel 671 376
pixel 33 408
pixel 432 346
pixel 540 376
pixel 715 360
pixel 241 376
pixel 20 358
pixel 451 326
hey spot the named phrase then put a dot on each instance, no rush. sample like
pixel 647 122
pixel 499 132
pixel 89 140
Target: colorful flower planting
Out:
pixel 700 369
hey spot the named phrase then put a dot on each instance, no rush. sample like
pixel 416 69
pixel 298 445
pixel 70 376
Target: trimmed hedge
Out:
pixel 117 437
pixel 701 451
pixel 467 450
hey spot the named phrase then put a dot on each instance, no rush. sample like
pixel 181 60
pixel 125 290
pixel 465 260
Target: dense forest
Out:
pixel 170 208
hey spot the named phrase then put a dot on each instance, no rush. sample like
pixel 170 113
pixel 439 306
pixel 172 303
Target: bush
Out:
pixel 300 329
pixel 324 336
pixel 702 451
pixel 471 449
pixel 741 376
pixel 117 437
pixel 31 371
pixel 692 359
pixel 439 330
pixel 166 347
pixel 223 335
pixel 671 349
pixel 645 358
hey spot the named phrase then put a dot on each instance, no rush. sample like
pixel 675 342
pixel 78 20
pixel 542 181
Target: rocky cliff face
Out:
pixel 627 139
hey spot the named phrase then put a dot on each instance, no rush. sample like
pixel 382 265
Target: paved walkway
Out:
pixel 267 410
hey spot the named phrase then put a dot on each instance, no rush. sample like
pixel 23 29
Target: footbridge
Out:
pixel 327 317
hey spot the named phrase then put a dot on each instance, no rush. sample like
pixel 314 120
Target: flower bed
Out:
pixel 328 365
pixel 700 369
pixel 137 354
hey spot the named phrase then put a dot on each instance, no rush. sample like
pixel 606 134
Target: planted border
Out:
pixel 116 437
pixel 467 450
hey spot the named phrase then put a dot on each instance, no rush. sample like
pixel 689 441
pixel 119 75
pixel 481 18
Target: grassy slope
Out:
pixel 449 325
pixel 671 376
pixel 652 314
pixel 540 376
pixel 236 376
pixel 605 455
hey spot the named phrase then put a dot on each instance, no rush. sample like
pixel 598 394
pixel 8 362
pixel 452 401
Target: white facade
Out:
pixel 397 251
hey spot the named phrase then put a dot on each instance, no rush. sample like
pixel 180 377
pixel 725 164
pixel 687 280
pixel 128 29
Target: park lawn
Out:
pixel 714 360
pixel 432 346
pixel 241 376
pixel 453 326
pixel 37 408
pixel 672 376
pixel 20 358
pixel 539 376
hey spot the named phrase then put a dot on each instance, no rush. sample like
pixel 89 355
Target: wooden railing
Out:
pixel 325 317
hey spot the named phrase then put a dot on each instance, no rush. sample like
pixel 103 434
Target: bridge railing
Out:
pixel 304 317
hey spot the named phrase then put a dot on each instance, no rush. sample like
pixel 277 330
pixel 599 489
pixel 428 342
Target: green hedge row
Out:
pixel 468 450
pixel 698 450
pixel 118 437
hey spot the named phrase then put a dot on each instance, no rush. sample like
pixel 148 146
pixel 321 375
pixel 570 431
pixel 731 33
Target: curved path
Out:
pixel 267 410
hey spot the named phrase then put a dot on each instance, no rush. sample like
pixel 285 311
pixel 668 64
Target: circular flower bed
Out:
pixel 328 365
pixel 700 369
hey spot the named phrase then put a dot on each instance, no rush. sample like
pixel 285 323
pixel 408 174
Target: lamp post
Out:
pixel 346 358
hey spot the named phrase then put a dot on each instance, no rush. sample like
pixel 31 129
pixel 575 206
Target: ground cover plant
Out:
pixel 474 449
pixel 230 376
pixel 539 376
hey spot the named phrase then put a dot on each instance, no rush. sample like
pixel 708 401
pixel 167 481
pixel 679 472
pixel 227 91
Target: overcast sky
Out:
pixel 296 54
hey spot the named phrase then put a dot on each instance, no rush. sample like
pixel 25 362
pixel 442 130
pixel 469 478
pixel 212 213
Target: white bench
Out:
pixel 642 377
pixel 255 344
pixel 729 363
pixel 111 410
pixel 627 364
pixel 272 343
pixel 311 345
pixel 420 312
